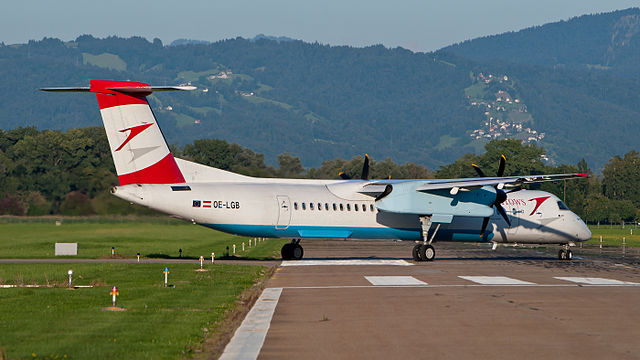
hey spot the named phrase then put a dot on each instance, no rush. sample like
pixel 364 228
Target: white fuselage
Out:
pixel 293 208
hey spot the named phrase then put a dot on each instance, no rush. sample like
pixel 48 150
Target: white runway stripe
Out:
pixel 495 280
pixel 345 262
pixel 248 339
pixel 594 281
pixel 394 281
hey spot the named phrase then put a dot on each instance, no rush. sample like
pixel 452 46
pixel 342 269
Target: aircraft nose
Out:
pixel 583 233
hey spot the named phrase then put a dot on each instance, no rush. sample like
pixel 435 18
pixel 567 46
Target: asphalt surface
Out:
pixel 337 312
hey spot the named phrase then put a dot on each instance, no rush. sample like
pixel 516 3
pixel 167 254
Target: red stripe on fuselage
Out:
pixel 165 171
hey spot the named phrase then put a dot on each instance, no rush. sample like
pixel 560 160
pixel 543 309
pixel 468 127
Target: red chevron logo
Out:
pixel 135 131
pixel 539 202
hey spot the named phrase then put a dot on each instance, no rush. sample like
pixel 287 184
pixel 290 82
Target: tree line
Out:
pixel 69 173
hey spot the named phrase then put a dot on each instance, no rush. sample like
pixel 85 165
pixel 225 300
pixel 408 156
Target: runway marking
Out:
pixel 595 281
pixel 345 262
pixel 394 280
pixel 495 280
pixel 249 338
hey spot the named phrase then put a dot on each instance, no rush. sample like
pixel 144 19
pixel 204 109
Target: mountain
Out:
pixel 609 41
pixel 321 102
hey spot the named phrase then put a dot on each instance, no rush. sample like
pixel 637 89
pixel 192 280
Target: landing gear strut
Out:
pixel 565 253
pixel 292 250
pixel 425 251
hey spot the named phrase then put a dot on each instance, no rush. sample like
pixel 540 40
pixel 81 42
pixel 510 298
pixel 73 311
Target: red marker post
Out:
pixel 114 293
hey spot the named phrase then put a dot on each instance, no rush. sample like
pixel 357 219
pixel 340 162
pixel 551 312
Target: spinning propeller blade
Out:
pixel 501 195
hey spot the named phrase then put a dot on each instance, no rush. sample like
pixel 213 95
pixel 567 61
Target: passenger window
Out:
pixel 295 206
pixel 355 207
pixel 371 207
pixel 319 206
pixel 326 206
pixel 348 207
pixel 310 206
pixel 334 207
pixel 341 207
pixel 364 207
pixel 304 206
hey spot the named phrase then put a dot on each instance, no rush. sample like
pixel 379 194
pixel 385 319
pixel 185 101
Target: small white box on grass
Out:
pixel 64 249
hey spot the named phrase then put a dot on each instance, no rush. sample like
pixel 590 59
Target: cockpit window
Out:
pixel 562 206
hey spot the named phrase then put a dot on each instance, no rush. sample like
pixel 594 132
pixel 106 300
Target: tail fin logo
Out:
pixel 134 131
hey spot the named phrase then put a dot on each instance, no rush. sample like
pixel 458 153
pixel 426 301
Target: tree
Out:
pixel 621 178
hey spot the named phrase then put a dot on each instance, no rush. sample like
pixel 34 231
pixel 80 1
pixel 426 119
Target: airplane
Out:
pixel 494 210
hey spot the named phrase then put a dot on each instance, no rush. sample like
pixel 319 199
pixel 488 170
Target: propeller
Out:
pixel 365 170
pixel 501 195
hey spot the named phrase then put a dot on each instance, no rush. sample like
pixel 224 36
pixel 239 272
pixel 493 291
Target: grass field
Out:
pixel 151 238
pixel 612 235
pixel 159 323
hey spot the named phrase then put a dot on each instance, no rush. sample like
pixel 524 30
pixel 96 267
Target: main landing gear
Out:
pixel 292 250
pixel 425 251
pixel 565 253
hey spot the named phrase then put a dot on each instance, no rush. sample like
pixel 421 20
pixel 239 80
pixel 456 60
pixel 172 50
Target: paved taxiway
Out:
pixel 470 303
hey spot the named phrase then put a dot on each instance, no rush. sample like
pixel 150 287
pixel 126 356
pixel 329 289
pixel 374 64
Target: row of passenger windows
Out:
pixel 334 206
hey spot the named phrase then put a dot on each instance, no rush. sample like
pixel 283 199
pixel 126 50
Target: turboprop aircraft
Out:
pixel 485 209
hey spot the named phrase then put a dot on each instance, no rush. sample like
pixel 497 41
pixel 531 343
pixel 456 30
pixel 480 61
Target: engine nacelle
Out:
pixel 405 199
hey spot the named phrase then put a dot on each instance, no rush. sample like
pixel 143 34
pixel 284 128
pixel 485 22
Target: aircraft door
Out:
pixel 284 212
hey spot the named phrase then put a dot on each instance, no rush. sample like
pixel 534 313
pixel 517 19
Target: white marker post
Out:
pixel 234 249
pixel 138 255
pixel 600 242
pixel 70 272
pixel 624 245
pixel 242 246
pixel 166 276
pixel 113 251
pixel 249 243
pixel 114 293
pixel 255 242
pixel 213 257
pixel 201 260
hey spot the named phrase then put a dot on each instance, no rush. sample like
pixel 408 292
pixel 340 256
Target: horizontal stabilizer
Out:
pixel 66 89
pixel 131 90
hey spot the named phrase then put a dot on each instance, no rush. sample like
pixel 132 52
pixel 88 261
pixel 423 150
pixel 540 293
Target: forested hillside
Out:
pixel 609 41
pixel 323 102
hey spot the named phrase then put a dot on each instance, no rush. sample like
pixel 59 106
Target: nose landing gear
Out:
pixel 565 253
pixel 292 250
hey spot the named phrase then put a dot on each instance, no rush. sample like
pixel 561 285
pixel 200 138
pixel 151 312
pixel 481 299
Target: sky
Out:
pixel 418 25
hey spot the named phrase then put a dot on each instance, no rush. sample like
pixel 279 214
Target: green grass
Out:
pixel 612 235
pixel 106 60
pixel 152 238
pixel 259 100
pixel 195 76
pixel 159 323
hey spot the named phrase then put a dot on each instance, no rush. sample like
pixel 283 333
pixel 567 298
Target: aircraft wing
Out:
pixel 375 188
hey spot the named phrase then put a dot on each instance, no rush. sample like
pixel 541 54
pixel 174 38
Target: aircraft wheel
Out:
pixel 562 255
pixel 569 255
pixel 427 253
pixel 287 251
pixel 296 252
pixel 416 253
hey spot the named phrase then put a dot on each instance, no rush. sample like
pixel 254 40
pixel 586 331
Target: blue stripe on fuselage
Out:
pixel 346 232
